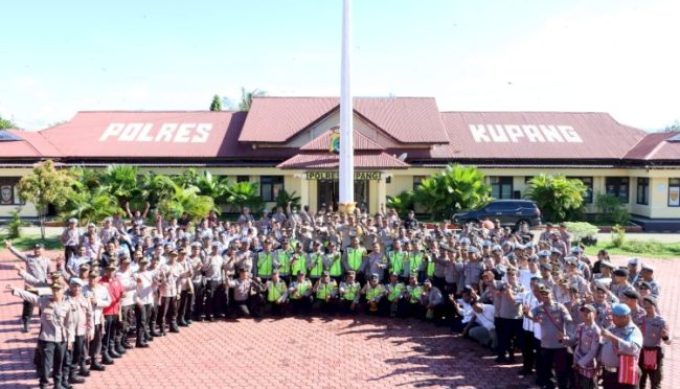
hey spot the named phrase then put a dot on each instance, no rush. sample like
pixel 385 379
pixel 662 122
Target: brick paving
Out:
pixel 343 352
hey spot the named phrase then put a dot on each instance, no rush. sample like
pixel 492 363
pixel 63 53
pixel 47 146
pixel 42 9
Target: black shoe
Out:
pixel 99 367
pixel 74 379
pixel 141 345
pixel 174 330
pixel 154 333
pixel 24 326
pixel 84 372
pixel 120 349
pixel 162 333
pixel 113 354
pixel 189 322
pixel 127 346
pixel 183 323
pixel 501 360
pixel 149 339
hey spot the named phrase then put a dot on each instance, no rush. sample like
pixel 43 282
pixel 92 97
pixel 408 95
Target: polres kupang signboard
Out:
pixel 158 133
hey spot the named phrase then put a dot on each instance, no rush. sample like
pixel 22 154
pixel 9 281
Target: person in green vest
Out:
pixel 300 294
pixel 414 292
pixel 282 257
pixel 429 264
pixel 265 261
pixel 298 261
pixel 349 293
pixel 396 259
pixel 315 262
pixel 416 261
pixel 374 293
pixel 332 262
pixel 325 294
pixel 395 293
pixel 353 259
pixel 276 294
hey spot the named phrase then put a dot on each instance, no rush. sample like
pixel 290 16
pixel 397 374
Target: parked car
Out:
pixel 509 212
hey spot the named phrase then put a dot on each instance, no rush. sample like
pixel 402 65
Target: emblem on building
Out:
pixel 334 146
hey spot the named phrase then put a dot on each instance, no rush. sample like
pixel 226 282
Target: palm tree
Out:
pixel 121 182
pixel 90 205
pixel 247 98
pixel 155 187
pixel 244 194
pixel 186 201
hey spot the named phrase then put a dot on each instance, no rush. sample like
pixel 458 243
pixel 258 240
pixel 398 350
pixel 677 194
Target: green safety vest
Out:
pixel 336 266
pixel 396 291
pixel 284 261
pixel 415 294
pixel 265 264
pixel 430 269
pixel 292 243
pixel 275 291
pixel 351 291
pixel 355 257
pixel 317 265
pixel 415 260
pixel 300 264
pixel 301 289
pixel 373 293
pixel 396 262
pixel 325 290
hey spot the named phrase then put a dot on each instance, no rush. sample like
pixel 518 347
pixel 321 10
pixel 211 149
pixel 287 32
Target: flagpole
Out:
pixel 346 203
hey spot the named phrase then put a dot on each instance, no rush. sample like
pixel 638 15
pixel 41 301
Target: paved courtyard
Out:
pixel 343 352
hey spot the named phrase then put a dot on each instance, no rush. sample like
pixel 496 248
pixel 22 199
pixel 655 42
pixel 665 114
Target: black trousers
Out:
pixel 184 309
pixel 212 299
pixel 530 349
pixel 167 312
pixel 74 358
pixel 198 307
pixel 95 346
pixel 26 312
pixel 610 380
pixel 557 359
pixel 301 306
pixel 125 322
pixel 241 308
pixel 110 332
pixel 51 355
pixel 654 376
pixel 69 251
pixel 509 331
pixel 142 317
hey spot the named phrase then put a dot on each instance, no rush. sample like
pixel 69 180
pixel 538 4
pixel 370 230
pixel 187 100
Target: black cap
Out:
pixel 650 299
pixel 631 294
pixel 620 272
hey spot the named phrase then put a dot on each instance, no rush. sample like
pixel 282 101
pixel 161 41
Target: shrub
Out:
pixel 611 210
pixel 582 231
pixel 402 203
pixel 557 197
pixel 14 224
pixel 618 236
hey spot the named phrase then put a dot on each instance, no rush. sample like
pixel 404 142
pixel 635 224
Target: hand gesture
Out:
pixel 8 244
pixel 18 268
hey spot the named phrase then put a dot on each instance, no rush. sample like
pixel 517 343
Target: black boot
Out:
pixel 119 348
pixel 24 325
pixel 83 371
pixel 99 367
pixel 140 344
pixel 113 353
pixel 74 379
pixel 107 359
pixel 174 328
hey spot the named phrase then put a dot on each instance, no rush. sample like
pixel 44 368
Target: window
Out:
pixel 270 187
pixel 588 182
pixel 642 191
pixel 674 192
pixel 527 179
pixel 417 180
pixel 501 187
pixel 242 178
pixel 9 191
pixel 618 186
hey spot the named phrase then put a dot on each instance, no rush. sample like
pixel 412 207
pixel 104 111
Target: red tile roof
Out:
pixel 406 119
pixel 323 141
pixel 29 145
pixel 141 134
pixel 374 160
pixel 535 135
pixel 657 146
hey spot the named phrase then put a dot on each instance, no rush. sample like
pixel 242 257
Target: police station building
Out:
pixel 287 142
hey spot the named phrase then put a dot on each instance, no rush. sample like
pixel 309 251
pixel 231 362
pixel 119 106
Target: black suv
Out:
pixel 509 212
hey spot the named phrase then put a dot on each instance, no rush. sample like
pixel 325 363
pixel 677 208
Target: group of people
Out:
pixel 576 322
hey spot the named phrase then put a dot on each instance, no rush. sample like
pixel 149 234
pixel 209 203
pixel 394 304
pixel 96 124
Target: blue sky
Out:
pixel 618 56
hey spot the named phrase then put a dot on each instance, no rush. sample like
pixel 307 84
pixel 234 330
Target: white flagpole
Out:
pixel 346 203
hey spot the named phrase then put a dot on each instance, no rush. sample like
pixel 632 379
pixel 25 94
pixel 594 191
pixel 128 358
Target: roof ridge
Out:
pixel 154 111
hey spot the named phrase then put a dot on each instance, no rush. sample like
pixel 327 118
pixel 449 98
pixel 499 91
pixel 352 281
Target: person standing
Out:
pixel 353 259
pixel 553 318
pixel 126 278
pixel 654 330
pixel 144 300
pixel 621 341
pixel 54 331
pixel 168 280
pixel 81 331
pixel 98 295
pixel 586 345
pixel 70 239
pixel 38 267
pixel 111 314
pixel 508 306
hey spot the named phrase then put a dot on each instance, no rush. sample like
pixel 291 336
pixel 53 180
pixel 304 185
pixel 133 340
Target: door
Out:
pixel 328 193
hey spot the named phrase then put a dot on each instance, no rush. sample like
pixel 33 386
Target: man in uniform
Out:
pixel 315 262
pixel 54 331
pixel 623 338
pixel 333 262
pixel 98 295
pixel 508 307
pixel 647 275
pixel 586 344
pixel 144 300
pixel 654 330
pixel 37 266
pixel 395 291
pixel 168 278
pixel 397 258
pixel 553 318
pixel 277 294
pixel 433 302
pixel 374 292
pixel 111 314
pixel 282 258
pixel 325 291
pixel 349 293
pixel 81 330
pixel 353 259
pixel 300 292
pixel 265 261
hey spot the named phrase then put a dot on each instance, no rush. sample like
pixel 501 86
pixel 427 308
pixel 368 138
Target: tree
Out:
pixel 154 188
pixel 244 194
pixel 557 197
pixel 283 198
pixel 44 186
pixel 457 187
pixel 247 98
pixel 402 203
pixel 186 200
pixel 121 182
pixel 90 205
pixel 675 127
pixel 6 124
pixel 216 104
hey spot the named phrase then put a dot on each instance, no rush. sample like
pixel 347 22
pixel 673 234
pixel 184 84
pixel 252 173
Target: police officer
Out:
pixel 586 344
pixel 395 293
pixel 654 331
pixel 373 292
pixel 37 266
pixel 300 292
pixel 622 338
pixel 54 331
pixel 349 293
pixel 98 295
pixel 325 291
pixel 277 294
pixel 81 330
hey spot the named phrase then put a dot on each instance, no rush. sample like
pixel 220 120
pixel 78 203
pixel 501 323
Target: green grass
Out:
pixel 27 241
pixel 632 247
